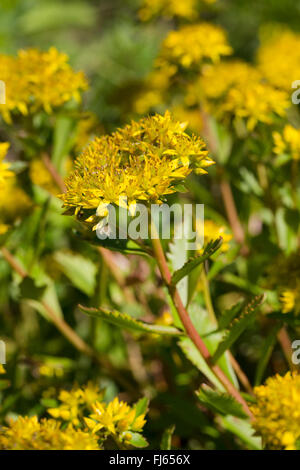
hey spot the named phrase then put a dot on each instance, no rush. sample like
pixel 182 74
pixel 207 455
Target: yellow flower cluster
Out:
pixel 279 59
pixel 116 418
pixel 38 80
pixel 287 142
pixel 13 200
pixel 290 300
pixel 185 50
pixel 191 45
pixel 238 90
pixel 4 167
pixel 30 434
pixel 143 161
pixel 277 412
pixel 75 402
pixel 85 406
pixel 168 8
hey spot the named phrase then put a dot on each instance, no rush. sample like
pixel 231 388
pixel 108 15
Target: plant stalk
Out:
pixel 189 327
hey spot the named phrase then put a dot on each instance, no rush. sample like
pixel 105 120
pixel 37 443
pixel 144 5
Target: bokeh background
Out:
pixel 115 49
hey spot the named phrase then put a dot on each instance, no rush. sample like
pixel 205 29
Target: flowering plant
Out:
pixel 149 229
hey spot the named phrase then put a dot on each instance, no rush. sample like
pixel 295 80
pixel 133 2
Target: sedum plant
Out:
pixel 126 343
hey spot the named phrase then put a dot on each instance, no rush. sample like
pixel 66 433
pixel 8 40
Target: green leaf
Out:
pixel 55 15
pixel 64 126
pixel 237 327
pixel 192 263
pixel 219 402
pixel 125 321
pixel 229 315
pixel 80 270
pixel 248 183
pixel 212 338
pixel 265 354
pixel 223 140
pixel 242 429
pixel 241 283
pixel 192 353
pixel 29 289
pixel 141 406
pixel 166 441
pixel 137 440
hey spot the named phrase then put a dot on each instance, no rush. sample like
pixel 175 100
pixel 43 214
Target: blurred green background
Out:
pixel 106 39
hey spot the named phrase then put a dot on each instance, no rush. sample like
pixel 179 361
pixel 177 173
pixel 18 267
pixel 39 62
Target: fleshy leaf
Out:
pixel 141 406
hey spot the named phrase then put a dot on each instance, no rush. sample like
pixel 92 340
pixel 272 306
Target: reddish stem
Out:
pixel 189 327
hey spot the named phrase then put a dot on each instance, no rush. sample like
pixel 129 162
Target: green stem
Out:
pixel 207 298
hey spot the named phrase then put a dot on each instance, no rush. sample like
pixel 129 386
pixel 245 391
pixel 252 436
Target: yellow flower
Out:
pixel 191 45
pixel 13 200
pixel 2 370
pixel 238 90
pixel 165 318
pixel 277 412
pixel 183 54
pixel 16 88
pixel 279 59
pixel 287 142
pixel 168 8
pixel 290 299
pixel 36 79
pixel 116 418
pixel 29 434
pixel 74 402
pixel 4 167
pixel 143 161
pixel 212 231
pixel 287 299
pixel 283 275
pixel 49 370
